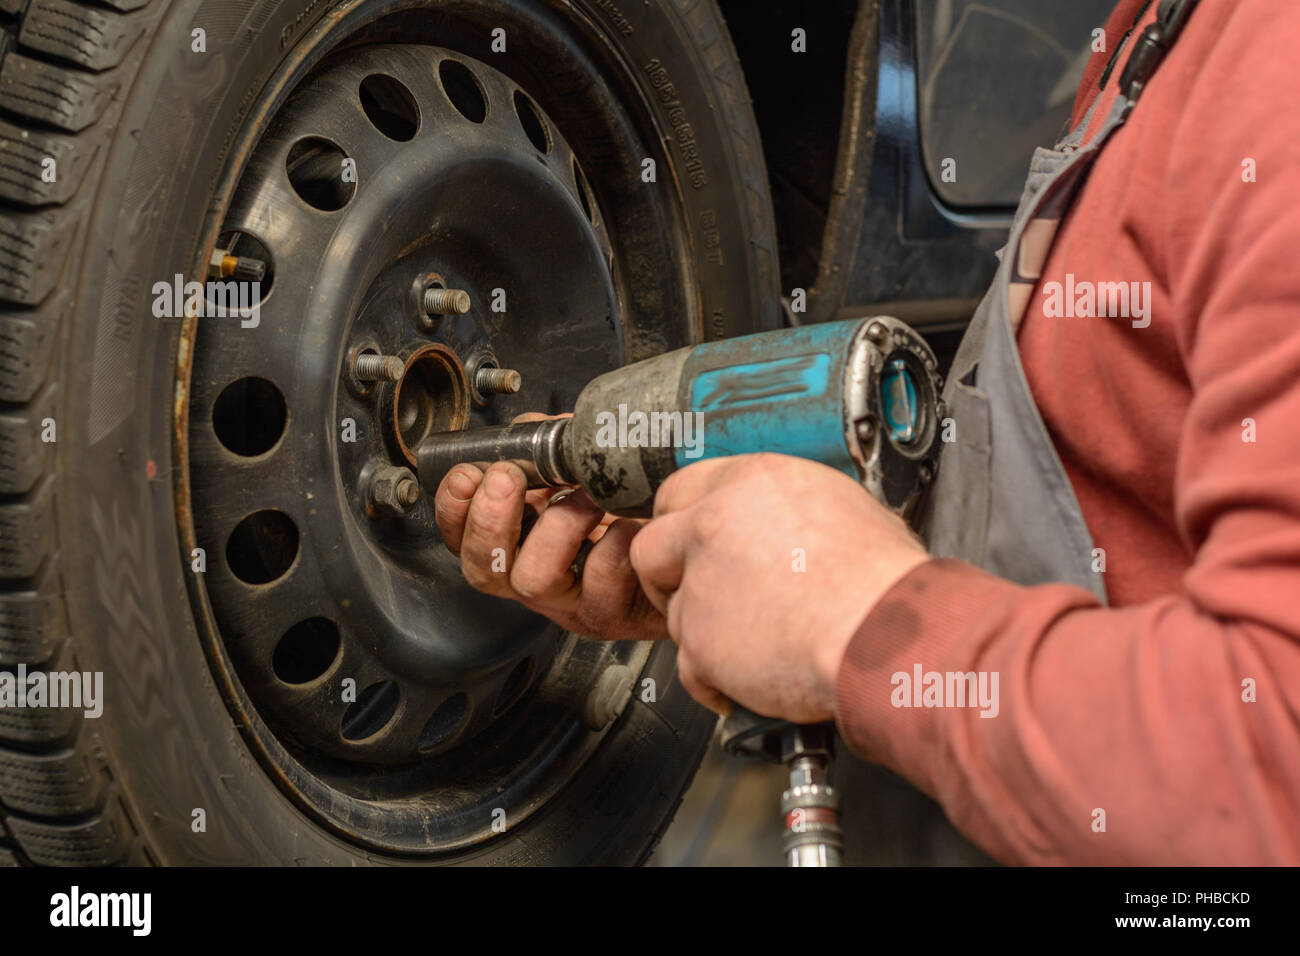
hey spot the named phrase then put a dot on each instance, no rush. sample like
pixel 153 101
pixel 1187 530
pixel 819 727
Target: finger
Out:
pixel 538 417
pixel 540 574
pixel 539 498
pixel 526 523
pixel 699 689
pixel 612 600
pixel 451 503
pixel 607 573
pixel 658 556
pixel 492 529
pixel 687 486
pixel 543 498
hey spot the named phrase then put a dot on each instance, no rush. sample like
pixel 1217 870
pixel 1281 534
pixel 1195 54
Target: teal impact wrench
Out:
pixel 861 396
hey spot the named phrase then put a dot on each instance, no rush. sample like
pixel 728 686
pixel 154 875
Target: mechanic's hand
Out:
pixel 764 566
pixel 480 516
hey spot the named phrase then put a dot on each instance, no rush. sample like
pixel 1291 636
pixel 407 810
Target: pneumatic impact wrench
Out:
pixel 861 396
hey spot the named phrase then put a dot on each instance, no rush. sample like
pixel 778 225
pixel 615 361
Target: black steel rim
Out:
pixel 464 704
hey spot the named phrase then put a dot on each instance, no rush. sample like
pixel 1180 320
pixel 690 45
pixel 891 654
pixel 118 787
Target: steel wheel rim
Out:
pixel 330 792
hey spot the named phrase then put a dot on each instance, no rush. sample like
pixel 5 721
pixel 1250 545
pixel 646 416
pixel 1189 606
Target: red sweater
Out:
pixel 1176 710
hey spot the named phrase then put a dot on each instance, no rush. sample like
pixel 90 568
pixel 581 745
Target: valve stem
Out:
pixel 240 268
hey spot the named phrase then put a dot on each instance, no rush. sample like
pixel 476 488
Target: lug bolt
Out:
pixel 446 301
pixel 370 367
pixel 393 490
pixel 490 380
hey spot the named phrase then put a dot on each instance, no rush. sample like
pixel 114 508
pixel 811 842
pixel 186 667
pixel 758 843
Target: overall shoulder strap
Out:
pixel 1121 45
pixel 1153 45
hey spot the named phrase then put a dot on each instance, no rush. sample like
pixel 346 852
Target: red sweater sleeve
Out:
pixel 1177 716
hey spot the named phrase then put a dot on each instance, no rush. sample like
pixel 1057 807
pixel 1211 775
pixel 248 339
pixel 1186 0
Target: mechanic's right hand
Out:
pixel 480 516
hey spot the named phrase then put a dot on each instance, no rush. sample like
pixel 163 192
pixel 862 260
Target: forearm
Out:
pixel 1136 712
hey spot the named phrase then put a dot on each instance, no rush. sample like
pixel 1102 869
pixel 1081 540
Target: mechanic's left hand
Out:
pixel 764 566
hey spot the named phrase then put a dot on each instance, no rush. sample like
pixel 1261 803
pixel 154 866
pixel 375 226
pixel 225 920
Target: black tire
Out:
pixel 93 575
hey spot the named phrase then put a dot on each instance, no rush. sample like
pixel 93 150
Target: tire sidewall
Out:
pixel 167 731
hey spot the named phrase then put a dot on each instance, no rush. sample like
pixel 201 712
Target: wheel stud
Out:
pixel 393 490
pixel 489 380
pixel 408 491
pixel 446 301
pixel 370 367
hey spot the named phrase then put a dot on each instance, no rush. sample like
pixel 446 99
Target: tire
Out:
pixel 94 578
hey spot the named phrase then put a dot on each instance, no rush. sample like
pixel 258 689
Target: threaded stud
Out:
pixel 497 381
pixel 408 491
pixel 446 301
pixel 370 367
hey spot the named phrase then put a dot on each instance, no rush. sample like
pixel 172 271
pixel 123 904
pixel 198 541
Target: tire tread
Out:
pixel 64 68
pixel 62 65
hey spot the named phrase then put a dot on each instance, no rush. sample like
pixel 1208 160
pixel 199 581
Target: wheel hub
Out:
pixel 431 396
pixel 391 171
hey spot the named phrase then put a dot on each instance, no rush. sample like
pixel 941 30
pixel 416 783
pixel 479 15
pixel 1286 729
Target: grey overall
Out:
pixel 1001 499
